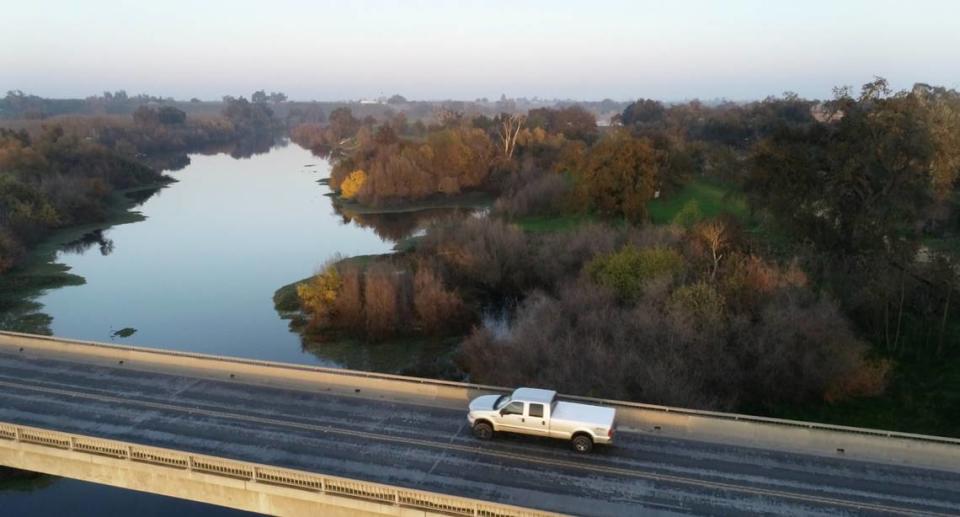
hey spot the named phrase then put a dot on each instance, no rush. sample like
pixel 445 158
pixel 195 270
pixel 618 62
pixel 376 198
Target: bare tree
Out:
pixel 508 128
pixel 714 233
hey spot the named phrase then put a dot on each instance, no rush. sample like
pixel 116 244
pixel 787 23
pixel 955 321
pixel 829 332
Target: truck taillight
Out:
pixel 610 433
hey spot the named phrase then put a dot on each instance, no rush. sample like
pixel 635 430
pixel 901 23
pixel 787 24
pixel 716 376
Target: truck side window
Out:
pixel 536 410
pixel 514 408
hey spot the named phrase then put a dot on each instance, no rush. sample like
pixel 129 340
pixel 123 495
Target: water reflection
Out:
pixel 240 149
pixel 89 240
pixel 398 225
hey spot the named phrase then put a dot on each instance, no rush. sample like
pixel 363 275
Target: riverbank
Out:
pixel 40 271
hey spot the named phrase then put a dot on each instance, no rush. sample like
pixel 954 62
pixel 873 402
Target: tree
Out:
pixel 168 115
pixel 714 234
pixel 380 295
pixel 146 116
pixel 319 294
pixel 259 96
pixel 573 122
pixel 276 97
pixel 436 308
pixel 352 185
pixel 508 127
pixel 643 112
pixel 619 177
pixel 397 99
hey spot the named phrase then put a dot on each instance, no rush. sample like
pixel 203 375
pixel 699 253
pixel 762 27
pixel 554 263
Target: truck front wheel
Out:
pixel 582 443
pixel 483 430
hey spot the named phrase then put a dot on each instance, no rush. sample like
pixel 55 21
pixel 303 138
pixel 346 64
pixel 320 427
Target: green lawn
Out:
pixel 557 223
pixel 713 198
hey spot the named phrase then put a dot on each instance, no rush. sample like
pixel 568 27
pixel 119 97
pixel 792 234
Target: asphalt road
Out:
pixel 431 448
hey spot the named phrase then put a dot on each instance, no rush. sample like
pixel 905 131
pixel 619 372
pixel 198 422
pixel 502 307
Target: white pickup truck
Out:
pixel 538 412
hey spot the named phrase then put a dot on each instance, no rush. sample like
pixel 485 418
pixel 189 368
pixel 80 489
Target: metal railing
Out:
pixel 265 474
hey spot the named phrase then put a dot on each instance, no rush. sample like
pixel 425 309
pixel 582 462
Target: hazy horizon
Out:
pixel 430 50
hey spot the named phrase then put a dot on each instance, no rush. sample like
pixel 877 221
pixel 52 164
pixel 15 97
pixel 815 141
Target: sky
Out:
pixel 426 49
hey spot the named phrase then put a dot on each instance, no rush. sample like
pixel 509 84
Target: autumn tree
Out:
pixel 380 296
pixel 319 294
pixel 437 309
pixel 619 176
pixel 352 185
pixel 714 235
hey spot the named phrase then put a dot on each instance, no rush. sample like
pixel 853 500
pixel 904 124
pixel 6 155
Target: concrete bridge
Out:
pixel 298 440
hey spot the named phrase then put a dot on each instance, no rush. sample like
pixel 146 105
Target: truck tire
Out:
pixel 582 443
pixel 483 430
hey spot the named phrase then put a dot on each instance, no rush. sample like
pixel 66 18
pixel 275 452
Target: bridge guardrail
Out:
pixel 666 410
pixel 266 474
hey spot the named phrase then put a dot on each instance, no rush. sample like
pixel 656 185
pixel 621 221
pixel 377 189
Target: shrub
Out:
pixel 352 185
pixel 688 215
pixel 801 349
pixel 348 306
pixel 483 253
pixel 562 255
pixel 380 293
pixel 536 194
pixel 698 305
pixel 628 269
pixel 319 294
pixel 437 309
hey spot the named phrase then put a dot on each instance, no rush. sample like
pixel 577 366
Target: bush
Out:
pixel 626 271
pixel 698 305
pixel 318 295
pixel 562 255
pixel 482 253
pixel 352 185
pixel 802 349
pixel 542 194
pixel 689 215
pixel 380 296
pixel 686 347
pixel 437 309
pixel 348 307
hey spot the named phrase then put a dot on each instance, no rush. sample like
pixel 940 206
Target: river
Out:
pixel 198 274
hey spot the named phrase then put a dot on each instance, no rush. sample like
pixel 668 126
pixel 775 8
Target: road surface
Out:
pixel 430 448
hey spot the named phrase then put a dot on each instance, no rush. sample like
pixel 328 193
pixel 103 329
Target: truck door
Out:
pixel 536 420
pixel 512 418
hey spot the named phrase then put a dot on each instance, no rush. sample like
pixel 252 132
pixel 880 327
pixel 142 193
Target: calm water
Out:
pixel 199 275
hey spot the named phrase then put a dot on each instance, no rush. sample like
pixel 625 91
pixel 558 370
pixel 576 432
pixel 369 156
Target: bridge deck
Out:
pixel 431 448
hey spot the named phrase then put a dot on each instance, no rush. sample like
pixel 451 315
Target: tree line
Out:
pixel 837 277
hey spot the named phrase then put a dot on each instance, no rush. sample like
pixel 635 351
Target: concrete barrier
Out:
pixel 728 428
pixel 224 482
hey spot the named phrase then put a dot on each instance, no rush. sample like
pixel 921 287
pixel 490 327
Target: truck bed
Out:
pixel 571 412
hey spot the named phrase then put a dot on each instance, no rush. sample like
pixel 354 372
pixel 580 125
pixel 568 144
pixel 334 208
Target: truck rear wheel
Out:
pixel 483 430
pixel 582 443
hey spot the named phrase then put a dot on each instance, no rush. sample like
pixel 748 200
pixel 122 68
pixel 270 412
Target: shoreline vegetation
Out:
pixel 65 179
pixel 686 255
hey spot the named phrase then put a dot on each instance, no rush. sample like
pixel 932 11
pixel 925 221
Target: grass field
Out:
pixel 559 223
pixel 712 197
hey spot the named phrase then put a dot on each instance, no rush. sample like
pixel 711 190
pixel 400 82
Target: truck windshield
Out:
pixel 502 400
